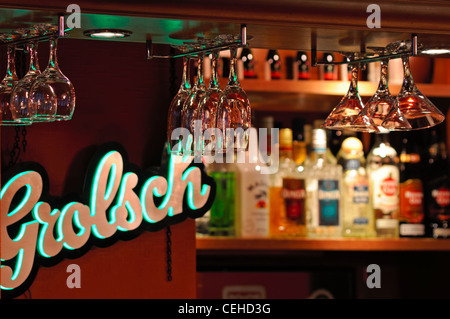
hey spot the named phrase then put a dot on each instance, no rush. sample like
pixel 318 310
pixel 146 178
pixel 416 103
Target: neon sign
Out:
pixel 117 203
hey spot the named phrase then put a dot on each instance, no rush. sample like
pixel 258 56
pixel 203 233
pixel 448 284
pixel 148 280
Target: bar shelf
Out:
pixel 206 245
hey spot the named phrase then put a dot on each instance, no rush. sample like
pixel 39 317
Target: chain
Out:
pixel 24 138
pixel 15 152
pixel 169 253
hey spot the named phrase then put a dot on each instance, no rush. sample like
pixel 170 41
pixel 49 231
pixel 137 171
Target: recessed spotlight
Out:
pixel 107 33
pixel 435 51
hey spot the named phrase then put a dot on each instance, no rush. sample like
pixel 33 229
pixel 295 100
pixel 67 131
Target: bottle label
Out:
pixel 411 201
pixel 294 193
pixel 385 191
pixel 254 205
pixel 361 194
pixel 438 201
pixel 329 196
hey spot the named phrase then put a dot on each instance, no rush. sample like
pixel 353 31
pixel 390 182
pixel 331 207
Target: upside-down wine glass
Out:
pixel 208 107
pixel 174 119
pixel 349 107
pixel 234 112
pixel 20 107
pixel 6 87
pixel 378 107
pixel 52 94
pixel 419 111
pixel 190 107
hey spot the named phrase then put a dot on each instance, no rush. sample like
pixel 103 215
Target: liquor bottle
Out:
pixel 274 62
pixel 357 215
pixel 222 213
pixel 437 188
pixel 249 63
pixel 299 144
pixel 287 193
pixel 384 176
pixel 303 72
pixel 252 195
pixel 411 214
pixel 328 70
pixel 324 205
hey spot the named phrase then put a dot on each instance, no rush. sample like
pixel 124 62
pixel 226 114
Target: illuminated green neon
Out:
pixel 76 219
pixel 17 268
pixel 25 198
pixel 112 177
pixel 96 181
pixel 43 229
pixel 142 198
pixel 120 199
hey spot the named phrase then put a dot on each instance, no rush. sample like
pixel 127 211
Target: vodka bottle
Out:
pixel 287 193
pixel 324 205
pixel 357 215
pixel 384 175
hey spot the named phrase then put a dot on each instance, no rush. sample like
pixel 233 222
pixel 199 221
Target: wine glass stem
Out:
pixel 354 80
pixel 11 63
pixel 185 81
pixel 408 81
pixel 383 86
pixel 233 79
pixel 34 62
pixel 53 61
pixel 214 83
pixel 200 81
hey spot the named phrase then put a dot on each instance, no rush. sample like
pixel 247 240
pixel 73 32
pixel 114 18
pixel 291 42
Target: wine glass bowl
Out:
pixel 234 112
pixel 412 105
pixel 6 88
pixel 20 107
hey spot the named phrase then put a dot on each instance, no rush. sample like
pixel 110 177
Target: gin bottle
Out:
pixel 324 205
pixel 357 215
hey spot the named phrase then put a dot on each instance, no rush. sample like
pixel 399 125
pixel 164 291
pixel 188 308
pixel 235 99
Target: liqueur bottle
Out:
pixel 357 215
pixel 299 147
pixel 222 213
pixel 328 70
pixel 384 177
pixel 437 188
pixel 249 63
pixel 303 72
pixel 287 193
pixel 411 214
pixel 324 205
pixel 274 62
pixel 252 195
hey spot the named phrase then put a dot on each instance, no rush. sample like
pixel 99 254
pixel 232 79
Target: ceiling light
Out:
pixel 435 51
pixel 107 33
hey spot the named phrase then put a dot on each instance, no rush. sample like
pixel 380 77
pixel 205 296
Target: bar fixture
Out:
pixel 221 116
pixel 410 110
pixel 39 96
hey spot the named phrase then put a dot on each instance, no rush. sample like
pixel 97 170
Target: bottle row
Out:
pixel 392 192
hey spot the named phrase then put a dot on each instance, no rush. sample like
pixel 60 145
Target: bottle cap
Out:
pixel 319 140
pixel 352 145
pixel 267 122
pixel 286 138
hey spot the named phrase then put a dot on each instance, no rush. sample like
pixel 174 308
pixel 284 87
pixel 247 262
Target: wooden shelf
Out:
pixel 335 88
pixel 223 244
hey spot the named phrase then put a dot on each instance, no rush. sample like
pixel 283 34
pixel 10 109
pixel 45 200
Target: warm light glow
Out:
pixel 107 33
pixel 436 51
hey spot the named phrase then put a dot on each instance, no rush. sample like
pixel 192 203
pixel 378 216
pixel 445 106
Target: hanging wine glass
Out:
pixel 174 119
pixel 234 112
pixel 412 105
pixel 190 107
pixel 20 109
pixel 378 107
pixel 52 94
pixel 6 88
pixel 349 107
pixel 208 106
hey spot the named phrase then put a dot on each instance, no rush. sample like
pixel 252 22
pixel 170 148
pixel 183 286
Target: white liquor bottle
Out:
pixel 384 176
pixel 324 204
pixel 357 213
